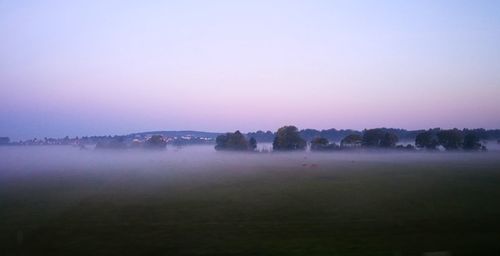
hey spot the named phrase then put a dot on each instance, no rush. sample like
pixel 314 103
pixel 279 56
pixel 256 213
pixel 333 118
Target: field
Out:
pixel 195 201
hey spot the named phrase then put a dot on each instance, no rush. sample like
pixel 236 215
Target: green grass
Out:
pixel 261 205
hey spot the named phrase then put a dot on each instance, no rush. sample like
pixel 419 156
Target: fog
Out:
pixel 65 175
pixel 61 195
pixel 24 161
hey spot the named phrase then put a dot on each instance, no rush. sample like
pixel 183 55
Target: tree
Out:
pixel 480 133
pixel 426 140
pixel 156 142
pixel 252 143
pixel 471 142
pixel 322 144
pixel 232 141
pixel 220 141
pixel 319 143
pixel 379 138
pixel 288 138
pixel 450 139
pixel 262 136
pixel 389 140
pixel 351 140
pixel 309 134
pixel 372 137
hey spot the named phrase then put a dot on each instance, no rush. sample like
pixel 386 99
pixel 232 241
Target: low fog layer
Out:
pixel 62 196
pixel 65 160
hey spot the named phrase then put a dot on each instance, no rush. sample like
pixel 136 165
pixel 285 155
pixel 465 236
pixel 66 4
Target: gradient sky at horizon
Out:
pixel 114 67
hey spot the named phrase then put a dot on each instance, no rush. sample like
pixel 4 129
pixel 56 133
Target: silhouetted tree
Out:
pixel 450 139
pixel 389 140
pixel 351 140
pixel 288 138
pixel 310 134
pixel 220 141
pixel 252 143
pixel 372 137
pixel 471 142
pixel 262 136
pixel 480 133
pixel 426 140
pixel 322 144
pixel 319 143
pixel 232 141
pixel 379 138
pixel 156 142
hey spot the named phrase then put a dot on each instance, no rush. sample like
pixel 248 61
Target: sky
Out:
pixel 81 68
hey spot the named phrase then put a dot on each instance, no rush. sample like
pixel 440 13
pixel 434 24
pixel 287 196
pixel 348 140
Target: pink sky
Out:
pixel 85 68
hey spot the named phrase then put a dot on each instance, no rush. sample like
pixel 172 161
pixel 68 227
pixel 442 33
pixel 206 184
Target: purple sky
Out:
pixel 115 67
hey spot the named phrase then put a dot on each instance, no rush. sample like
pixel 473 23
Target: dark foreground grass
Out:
pixel 259 205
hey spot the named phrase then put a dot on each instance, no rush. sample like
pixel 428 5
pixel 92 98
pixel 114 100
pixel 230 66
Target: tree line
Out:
pixel 288 138
pixel 338 134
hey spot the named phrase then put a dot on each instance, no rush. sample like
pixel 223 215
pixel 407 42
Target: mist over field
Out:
pixel 194 200
pixel 259 128
pixel 37 160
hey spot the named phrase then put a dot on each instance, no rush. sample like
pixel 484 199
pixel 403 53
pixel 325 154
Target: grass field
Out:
pixel 199 202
